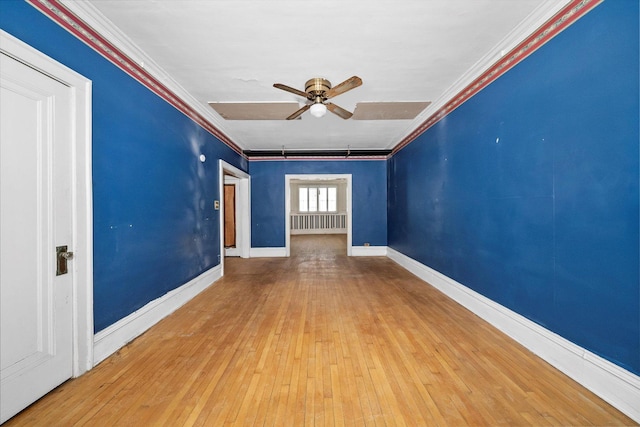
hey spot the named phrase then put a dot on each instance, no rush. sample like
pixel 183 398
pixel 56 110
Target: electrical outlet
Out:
pixel 216 205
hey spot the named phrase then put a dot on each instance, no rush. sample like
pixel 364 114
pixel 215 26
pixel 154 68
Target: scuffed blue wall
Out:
pixel 369 199
pixel 154 223
pixel 528 192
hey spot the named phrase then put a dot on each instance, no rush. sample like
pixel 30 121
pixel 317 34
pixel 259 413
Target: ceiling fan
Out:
pixel 318 91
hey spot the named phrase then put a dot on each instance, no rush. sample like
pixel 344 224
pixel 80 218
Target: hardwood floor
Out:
pixel 321 339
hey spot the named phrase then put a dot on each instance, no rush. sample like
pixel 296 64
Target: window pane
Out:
pixel 313 199
pixel 332 199
pixel 303 204
pixel 322 199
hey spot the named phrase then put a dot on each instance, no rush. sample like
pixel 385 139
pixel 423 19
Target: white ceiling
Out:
pixel 234 50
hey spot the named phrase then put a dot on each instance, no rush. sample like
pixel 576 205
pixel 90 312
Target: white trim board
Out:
pixel 82 221
pixel 369 251
pixel 612 383
pixel 268 252
pixel 282 252
pixel 125 330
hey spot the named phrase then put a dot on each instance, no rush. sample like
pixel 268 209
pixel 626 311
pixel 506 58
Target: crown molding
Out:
pixel 544 23
pixel 84 21
pixel 545 11
pixel 87 23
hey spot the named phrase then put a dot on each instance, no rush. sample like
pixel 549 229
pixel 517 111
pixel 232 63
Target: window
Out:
pixel 318 199
pixel 332 199
pixel 303 198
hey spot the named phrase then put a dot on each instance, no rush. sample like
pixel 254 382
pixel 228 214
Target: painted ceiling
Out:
pixel 224 51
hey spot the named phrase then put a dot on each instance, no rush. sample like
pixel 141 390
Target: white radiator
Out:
pixel 319 223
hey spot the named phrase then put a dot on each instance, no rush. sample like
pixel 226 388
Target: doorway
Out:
pixel 229 201
pixel 47 314
pixel 340 221
pixel 235 196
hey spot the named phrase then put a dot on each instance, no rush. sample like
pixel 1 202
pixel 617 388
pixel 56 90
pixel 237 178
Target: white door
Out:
pixel 36 338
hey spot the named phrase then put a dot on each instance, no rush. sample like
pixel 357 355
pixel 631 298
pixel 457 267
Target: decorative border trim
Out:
pixel 319 158
pixel 64 16
pixel 267 253
pixel 369 251
pixel 76 26
pixel 114 337
pixel 559 22
pixel 612 383
pixel 334 154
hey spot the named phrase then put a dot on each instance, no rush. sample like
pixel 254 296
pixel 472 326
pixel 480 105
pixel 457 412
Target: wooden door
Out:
pixel 36 339
pixel 229 216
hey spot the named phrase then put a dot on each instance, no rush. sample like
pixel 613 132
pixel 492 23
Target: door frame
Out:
pixel 243 209
pixel 315 177
pixel 232 180
pixel 82 205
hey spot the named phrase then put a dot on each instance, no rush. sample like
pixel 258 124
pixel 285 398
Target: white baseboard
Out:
pixel 368 251
pixel 612 383
pixel 232 252
pixel 267 252
pixel 111 339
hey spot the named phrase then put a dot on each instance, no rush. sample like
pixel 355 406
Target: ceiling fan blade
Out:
pixel 350 83
pixel 338 111
pixel 298 113
pixel 290 89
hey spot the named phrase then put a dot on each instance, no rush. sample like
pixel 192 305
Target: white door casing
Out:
pixel 320 178
pixel 46 320
pixel 243 209
pixel 236 250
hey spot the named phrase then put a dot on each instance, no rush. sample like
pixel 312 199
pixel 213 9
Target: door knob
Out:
pixel 62 256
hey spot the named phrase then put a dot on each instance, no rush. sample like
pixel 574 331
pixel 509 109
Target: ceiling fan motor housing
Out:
pixel 316 87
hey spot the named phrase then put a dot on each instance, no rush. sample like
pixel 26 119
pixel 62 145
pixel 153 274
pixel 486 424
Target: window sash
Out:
pixel 303 199
pixel 318 199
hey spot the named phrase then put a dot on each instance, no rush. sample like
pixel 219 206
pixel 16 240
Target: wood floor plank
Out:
pixel 315 339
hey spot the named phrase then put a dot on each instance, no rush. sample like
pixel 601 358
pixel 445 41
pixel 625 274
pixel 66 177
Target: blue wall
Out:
pixel 154 223
pixel 369 200
pixel 528 192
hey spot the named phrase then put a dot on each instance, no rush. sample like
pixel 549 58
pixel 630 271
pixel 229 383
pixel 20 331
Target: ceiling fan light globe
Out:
pixel 318 110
